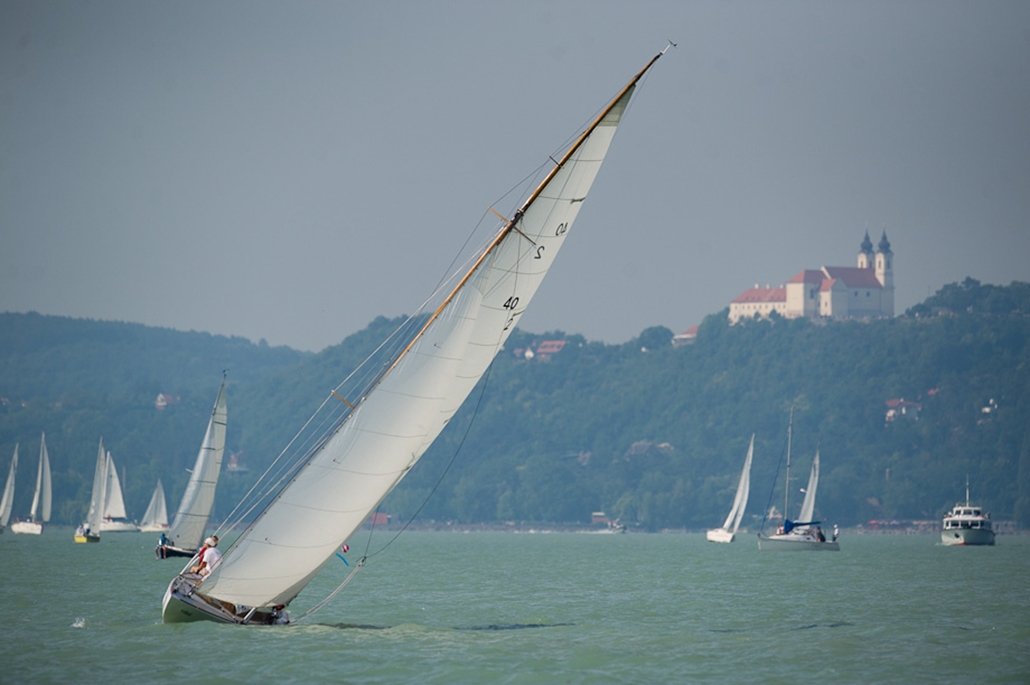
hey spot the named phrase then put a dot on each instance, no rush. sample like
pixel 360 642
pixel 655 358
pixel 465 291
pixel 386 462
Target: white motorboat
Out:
pixel 967 524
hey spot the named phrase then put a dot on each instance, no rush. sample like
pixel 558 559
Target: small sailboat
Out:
pixel 7 501
pixel 42 496
pixel 89 531
pixel 732 523
pixel 115 519
pixel 804 534
pixel 966 525
pixel 155 518
pixel 187 530
pixel 375 425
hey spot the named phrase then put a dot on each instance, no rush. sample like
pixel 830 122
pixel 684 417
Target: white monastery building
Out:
pixel 865 291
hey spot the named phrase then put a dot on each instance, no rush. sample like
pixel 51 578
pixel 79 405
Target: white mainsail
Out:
pixel 114 504
pixel 42 493
pixel 392 424
pixel 743 490
pixel 155 518
pixel 808 504
pixel 7 501
pixel 195 508
pixel 97 499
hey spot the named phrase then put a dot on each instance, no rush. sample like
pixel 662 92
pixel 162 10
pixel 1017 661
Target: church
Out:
pixel 865 291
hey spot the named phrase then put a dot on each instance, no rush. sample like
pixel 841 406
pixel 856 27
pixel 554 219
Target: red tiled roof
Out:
pixel 550 346
pixel 853 277
pixel 808 276
pixel 762 295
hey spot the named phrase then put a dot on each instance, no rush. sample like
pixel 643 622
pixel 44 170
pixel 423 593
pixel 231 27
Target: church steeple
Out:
pixel 885 273
pixel 865 253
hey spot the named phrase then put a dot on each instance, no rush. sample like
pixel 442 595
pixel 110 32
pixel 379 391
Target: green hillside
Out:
pixel 648 432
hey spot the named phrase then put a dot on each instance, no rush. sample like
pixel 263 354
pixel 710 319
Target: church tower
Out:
pixel 865 253
pixel 885 275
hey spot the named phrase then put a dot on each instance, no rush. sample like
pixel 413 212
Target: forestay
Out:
pixel 392 425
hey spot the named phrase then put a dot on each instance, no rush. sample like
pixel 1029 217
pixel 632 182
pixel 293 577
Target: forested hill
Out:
pixel 648 432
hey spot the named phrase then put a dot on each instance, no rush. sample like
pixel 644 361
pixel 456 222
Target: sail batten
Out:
pixel 357 456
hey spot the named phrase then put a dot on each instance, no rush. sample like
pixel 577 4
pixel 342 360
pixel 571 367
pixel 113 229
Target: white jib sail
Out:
pixel 44 473
pixel 156 515
pixel 96 501
pixel 7 502
pixel 808 505
pixel 396 422
pixel 195 507
pixel 114 504
pixel 743 490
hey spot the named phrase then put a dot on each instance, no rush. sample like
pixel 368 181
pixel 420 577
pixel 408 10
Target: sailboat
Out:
pixel 187 531
pixel 732 523
pixel 799 535
pixel 41 496
pixel 375 425
pixel 155 518
pixel 7 501
pixel 115 520
pixel 89 531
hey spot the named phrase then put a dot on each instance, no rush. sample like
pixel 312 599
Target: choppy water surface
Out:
pixel 540 608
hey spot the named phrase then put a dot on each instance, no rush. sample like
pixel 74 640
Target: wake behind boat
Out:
pixel 374 427
pixel 966 524
pixel 732 523
pixel 805 534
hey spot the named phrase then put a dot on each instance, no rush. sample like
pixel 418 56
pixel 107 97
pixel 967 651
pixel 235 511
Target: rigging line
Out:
pixel 768 505
pixel 457 451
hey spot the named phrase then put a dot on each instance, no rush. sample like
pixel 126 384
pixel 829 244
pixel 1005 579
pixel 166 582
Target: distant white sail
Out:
pixel 44 479
pixel 808 504
pixel 7 501
pixel 736 514
pixel 96 502
pixel 156 516
pixel 114 504
pixel 190 521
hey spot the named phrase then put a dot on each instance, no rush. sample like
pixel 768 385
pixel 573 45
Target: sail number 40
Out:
pixel 510 305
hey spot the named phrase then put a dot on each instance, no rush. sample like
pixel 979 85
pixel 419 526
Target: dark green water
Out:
pixel 540 608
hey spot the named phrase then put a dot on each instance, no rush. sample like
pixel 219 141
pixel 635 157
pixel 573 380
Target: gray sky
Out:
pixel 289 171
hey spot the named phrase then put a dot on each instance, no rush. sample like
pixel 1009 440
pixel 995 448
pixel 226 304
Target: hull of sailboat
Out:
pixel 962 537
pixel 183 604
pixel 172 551
pixel 719 535
pixel 87 538
pixel 796 543
pixel 153 529
pixel 27 527
pixel 118 527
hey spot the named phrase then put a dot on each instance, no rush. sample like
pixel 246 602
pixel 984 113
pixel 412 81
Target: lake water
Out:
pixel 494 607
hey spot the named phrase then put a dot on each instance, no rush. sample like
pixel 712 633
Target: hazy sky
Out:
pixel 289 171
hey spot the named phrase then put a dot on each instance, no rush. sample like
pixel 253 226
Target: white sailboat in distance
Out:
pixel 732 523
pixel 187 530
pixel 7 500
pixel 89 531
pixel 373 427
pixel 115 518
pixel 41 499
pixel 155 518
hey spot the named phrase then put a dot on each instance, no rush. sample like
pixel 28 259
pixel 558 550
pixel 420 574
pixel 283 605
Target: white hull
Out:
pixel 118 527
pixel 153 529
pixel 794 542
pixel 183 604
pixel 719 535
pixel 964 537
pixel 29 527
